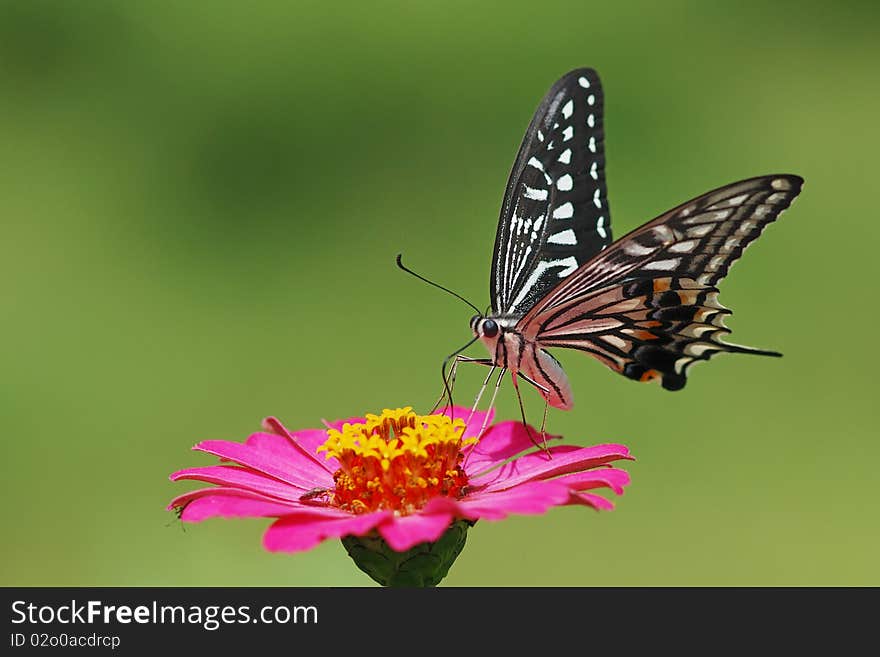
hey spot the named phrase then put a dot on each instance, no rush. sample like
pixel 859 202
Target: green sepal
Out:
pixel 425 564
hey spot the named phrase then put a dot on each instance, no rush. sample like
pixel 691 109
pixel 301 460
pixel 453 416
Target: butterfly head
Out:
pixel 485 327
pixel 488 330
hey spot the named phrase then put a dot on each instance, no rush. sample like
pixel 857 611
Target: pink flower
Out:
pixel 405 476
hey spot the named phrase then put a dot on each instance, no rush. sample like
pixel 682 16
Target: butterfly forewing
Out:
pixel 647 306
pixel 555 216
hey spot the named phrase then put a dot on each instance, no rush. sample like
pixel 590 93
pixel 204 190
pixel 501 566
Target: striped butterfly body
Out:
pixel 646 305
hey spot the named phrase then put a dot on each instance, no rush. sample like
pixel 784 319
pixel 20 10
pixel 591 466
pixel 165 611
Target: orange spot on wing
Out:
pixel 643 335
pixel 648 376
pixel 661 284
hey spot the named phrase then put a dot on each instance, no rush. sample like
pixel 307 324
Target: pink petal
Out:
pixel 532 498
pixel 499 443
pixel 294 449
pixel 215 502
pixel 311 440
pixel 402 533
pixel 270 458
pixel 590 499
pixel 538 496
pixel 613 478
pixel 503 469
pixel 306 441
pixel 238 477
pixel 303 530
pixel 447 505
pixel 563 459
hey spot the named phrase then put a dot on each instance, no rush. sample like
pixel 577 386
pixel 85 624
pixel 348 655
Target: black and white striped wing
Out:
pixel 555 216
pixel 647 306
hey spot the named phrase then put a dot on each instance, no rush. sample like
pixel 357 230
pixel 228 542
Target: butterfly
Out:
pixel 646 305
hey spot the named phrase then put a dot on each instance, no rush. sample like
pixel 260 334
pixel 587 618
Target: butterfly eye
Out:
pixel 490 328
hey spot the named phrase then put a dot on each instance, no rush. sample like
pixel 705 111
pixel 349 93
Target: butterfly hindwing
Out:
pixel 554 217
pixel 647 306
pixel 649 329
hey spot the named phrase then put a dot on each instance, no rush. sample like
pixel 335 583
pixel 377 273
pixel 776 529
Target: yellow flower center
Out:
pixel 396 461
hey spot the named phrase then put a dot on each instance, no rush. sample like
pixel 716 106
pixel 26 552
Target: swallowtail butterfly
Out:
pixel 645 305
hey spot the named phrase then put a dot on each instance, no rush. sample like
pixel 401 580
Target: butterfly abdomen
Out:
pixel 545 370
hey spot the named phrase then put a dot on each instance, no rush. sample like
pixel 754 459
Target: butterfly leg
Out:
pixel 537 385
pixel 544 392
pixel 544 425
pixel 480 361
pixel 449 381
pixel 543 444
pixel 448 384
pixel 492 401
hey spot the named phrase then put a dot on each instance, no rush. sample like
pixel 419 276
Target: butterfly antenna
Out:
pixel 437 285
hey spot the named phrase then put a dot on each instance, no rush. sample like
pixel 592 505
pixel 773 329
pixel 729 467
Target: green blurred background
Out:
pixel 201 204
